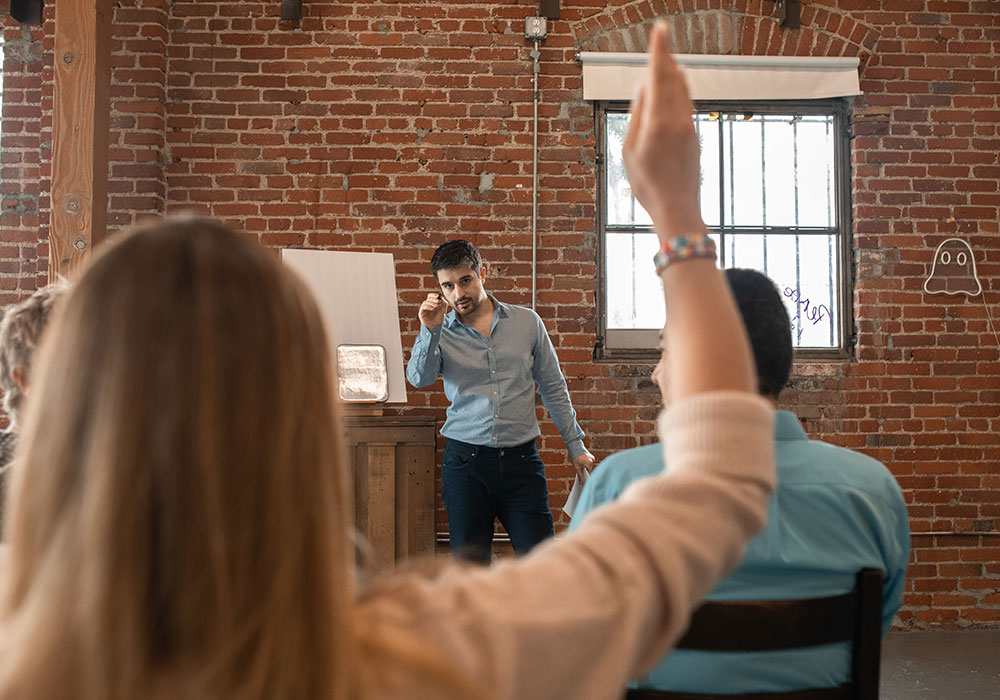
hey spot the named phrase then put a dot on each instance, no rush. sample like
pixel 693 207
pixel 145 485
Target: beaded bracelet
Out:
pixel 689 247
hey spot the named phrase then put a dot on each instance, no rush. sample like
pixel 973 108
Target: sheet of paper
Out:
pixel 356 293
pixel 574 494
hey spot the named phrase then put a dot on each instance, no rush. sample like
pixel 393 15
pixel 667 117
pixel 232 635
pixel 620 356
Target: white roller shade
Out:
pixel 614 76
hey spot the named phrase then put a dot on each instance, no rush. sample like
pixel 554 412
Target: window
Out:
pixel 774 196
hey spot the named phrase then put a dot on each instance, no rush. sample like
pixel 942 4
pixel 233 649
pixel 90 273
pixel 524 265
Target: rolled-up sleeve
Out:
pixel 425 358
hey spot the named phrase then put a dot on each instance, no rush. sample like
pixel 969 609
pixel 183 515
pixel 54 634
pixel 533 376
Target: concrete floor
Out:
pixel 941 665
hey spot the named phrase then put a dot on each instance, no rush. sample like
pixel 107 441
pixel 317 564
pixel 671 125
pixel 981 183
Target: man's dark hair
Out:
pixel 767 324
pixel 455 254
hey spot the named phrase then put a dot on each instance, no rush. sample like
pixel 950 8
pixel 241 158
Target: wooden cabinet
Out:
pixel 393 463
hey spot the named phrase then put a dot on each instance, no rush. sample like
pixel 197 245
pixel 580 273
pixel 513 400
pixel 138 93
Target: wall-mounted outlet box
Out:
pixel 535 28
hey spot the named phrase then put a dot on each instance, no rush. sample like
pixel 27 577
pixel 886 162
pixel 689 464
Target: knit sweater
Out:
pixel 583 613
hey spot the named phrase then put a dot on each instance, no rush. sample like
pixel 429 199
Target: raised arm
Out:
pixel 425 358
pixel 705 339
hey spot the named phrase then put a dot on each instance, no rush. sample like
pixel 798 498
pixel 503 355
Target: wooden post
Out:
pixel 80 122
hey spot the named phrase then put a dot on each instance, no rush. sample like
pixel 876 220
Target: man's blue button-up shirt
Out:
pixel 833 512
pixel 490 382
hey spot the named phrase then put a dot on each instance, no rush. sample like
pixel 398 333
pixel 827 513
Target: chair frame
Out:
pixel 773 625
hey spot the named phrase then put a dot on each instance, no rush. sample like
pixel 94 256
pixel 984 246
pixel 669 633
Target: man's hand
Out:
pixel 432 310
pixel 584 464
pixel 661 150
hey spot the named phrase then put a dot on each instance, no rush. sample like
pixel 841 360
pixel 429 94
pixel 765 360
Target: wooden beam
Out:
pixel 80 122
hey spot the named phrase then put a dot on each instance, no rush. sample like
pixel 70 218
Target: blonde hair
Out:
pixel 20 335
pixel 179 528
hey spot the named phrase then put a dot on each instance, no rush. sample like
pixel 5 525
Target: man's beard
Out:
pixel 468 309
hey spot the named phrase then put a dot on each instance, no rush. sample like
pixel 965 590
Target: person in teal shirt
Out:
pixel 834 512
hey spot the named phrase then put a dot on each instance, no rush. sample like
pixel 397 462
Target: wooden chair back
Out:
pixel 773 625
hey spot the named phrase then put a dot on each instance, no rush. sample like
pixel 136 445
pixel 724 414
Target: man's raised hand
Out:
pixel 432 310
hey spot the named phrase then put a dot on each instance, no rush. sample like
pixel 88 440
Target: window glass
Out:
pixel 769 180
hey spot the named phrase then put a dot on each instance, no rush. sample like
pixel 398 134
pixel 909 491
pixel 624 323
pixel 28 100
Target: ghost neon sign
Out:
pixel 953 270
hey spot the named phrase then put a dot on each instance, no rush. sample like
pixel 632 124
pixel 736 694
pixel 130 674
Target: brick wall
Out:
pixel 392 126
pixel 136 152
pixel 23 243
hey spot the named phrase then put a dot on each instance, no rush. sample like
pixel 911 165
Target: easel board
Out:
pixel 356 293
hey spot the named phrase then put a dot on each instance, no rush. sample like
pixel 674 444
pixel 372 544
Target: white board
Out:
pixel 356 293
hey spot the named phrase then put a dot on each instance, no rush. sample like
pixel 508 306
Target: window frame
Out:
pixel 642 344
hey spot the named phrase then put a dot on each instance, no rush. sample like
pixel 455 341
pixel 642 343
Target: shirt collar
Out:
pixel 500 307
pixel 788 427
pixel 500 310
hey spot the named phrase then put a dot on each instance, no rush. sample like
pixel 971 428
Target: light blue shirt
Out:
pixel 490 382
pixel 834 511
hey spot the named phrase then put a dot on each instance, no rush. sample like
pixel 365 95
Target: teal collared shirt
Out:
pixel 490 382
pixel 833 512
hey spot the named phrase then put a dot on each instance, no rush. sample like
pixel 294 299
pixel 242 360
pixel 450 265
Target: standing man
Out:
pixel 833 512
pixel 491 355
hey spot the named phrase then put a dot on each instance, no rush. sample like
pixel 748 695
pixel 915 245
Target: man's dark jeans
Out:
pixel 480 484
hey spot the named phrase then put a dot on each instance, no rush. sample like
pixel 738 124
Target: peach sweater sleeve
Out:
pixel 583 613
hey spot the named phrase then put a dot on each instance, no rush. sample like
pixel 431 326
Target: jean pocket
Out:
pixel 458 456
